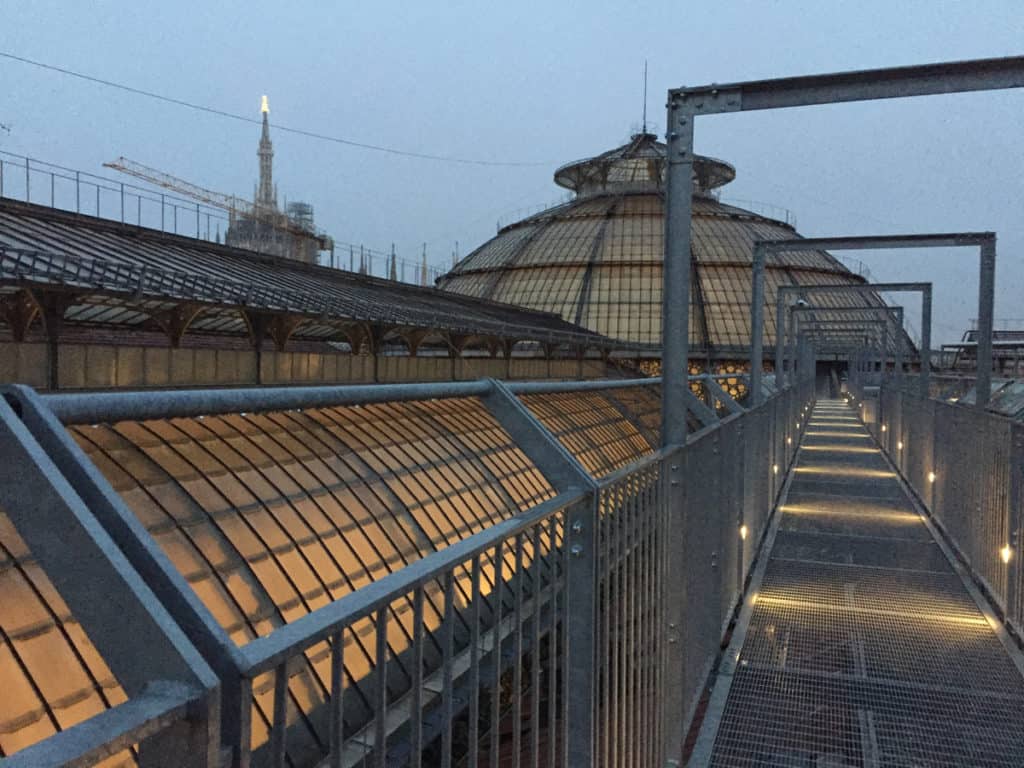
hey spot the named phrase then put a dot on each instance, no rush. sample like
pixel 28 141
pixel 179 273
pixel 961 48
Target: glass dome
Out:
pixel 597 260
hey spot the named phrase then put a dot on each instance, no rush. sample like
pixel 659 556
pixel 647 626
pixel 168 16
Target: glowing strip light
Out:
pixel 837 470
pixel 840 448
pixel 839 608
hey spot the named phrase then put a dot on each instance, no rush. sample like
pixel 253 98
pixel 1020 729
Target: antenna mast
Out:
pixel 645 97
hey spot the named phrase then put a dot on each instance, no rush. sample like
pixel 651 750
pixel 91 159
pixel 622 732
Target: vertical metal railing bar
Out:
pixel 552 723
pixel 474 668
pixel 648 629
pixel 535 690
pixel 495 721
pixel 666 589
pixel 416 699
pixel 380 669
pixel 337 709
pixel 652 633
pixel 634 650
pixel 660 576
pixel 604 587
pixel 611 661
pixel 447 694
pixel 623 559
pixel 621 629
pixel 660 546
pixel 517 668
pixel 642 630
pixel 635 597
pixel 565 647
pixel 279 722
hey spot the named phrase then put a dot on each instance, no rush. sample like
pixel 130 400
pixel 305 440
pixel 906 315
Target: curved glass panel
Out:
pixel 52 676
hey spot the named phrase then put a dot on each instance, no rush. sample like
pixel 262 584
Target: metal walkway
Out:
pixel 860 643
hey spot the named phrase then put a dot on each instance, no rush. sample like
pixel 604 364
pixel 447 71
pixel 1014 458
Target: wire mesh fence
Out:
pixel 967 468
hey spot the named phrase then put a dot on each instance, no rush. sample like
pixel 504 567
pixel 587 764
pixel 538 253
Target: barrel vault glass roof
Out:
pixel 51 674
pixel 272 515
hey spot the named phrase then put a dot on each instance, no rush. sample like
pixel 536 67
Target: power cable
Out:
pixel 276 126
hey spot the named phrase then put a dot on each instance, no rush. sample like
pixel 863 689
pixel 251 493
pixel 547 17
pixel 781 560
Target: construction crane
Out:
pixel 236 206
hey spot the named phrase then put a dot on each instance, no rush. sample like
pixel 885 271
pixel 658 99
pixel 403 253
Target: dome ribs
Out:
pixel 699 307
pixel 583 302
pixel 597 259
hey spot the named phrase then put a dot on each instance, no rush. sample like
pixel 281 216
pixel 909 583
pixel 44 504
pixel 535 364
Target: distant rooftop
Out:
pixel 111 275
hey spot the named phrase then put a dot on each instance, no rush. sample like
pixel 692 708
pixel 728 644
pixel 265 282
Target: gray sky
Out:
pixel 540 82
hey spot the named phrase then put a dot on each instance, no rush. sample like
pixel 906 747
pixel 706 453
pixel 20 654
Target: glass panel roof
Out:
pixel 51 674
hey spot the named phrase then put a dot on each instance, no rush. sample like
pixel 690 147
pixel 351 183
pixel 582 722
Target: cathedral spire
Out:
pixel 265 197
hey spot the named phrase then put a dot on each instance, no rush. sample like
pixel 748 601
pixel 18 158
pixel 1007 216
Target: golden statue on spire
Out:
pixel 264 105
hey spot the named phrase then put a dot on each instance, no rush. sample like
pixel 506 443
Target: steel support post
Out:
pixel 883 351
pixel 925 352
pixel 986 299
pixel 757 326
pixel 798 355
pixel 780 342
pixel 565 473
pixel 675 339
pixel 675 330
pixel 898 360
pixel 790 347
pixel 673 596
pixel 798 351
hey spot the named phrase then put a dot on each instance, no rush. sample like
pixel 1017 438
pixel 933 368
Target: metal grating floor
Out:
pixel 864 648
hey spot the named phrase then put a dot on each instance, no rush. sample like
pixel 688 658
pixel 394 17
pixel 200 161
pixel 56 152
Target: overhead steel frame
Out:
pixel 893 319
pixel 871 334
pixel 683 107
pixel 925 289
pixel 840 329
pixel 685 104
pixel 984 241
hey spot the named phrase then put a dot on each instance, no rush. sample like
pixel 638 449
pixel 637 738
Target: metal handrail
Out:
pixel 374 261
pixel 592 547
pixel 160 707
pixel 267 653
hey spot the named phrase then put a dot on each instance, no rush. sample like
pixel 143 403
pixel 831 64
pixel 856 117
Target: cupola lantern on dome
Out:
pixel 638 166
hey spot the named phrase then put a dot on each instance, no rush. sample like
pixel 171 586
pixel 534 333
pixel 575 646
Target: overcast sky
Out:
pixel 535 82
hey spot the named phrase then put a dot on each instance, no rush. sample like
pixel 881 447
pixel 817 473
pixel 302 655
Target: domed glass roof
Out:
pixel 597 260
